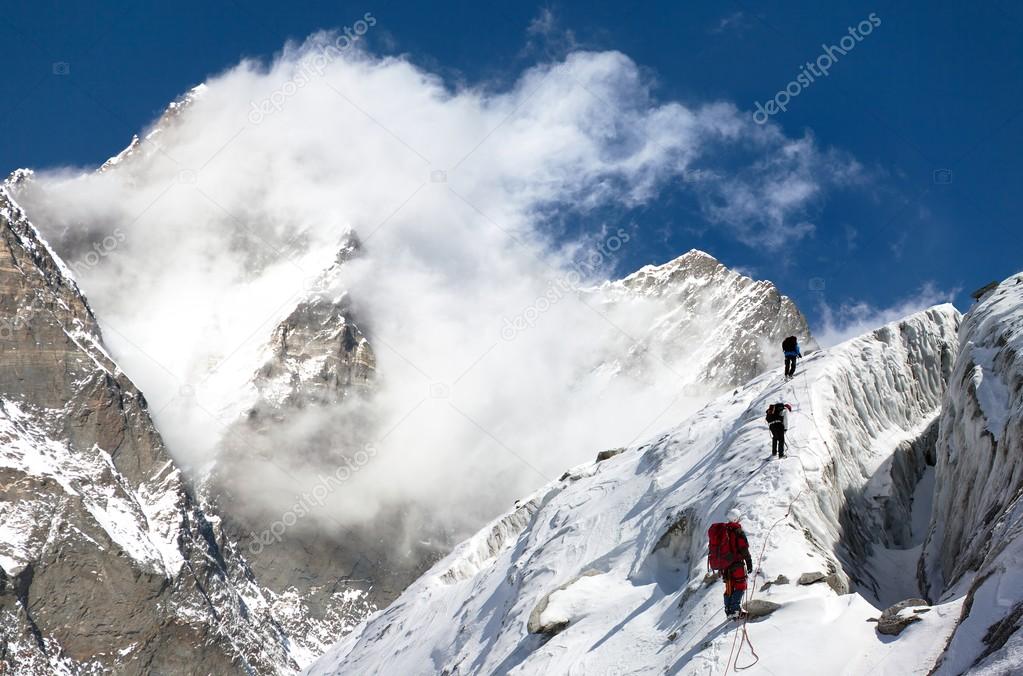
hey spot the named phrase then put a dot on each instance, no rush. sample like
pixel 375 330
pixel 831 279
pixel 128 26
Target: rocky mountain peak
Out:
pixel 728 326
pixel 149 143
pixel 107 561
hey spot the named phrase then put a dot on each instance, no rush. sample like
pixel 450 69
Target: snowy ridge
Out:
pixel 625 541
pixel 149 143
pixel 975 546
pixel 51 266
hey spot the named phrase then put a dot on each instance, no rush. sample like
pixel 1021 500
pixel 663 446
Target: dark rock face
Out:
pixel 306 421
pixel 318 354
pixel 608 454
pixel 107 562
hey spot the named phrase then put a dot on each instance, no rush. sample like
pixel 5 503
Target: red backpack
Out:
pixel 724 546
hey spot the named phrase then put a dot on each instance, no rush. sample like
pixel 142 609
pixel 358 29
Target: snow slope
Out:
pixel 610 560
pixel 975 546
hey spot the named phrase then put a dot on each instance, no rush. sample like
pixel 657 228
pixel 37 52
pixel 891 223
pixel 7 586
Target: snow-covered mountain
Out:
pixel 298 409
pixel 319 583
pixel 149 144
pixel 713 325
pixel 107 562
pixel 603 571
pixel 904 480
pixel 975 547
pixel 598 572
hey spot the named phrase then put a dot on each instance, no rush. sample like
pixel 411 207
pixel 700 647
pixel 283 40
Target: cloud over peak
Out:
pixel 233 205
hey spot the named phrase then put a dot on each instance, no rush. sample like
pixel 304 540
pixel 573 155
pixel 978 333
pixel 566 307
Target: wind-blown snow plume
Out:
pixel 195 244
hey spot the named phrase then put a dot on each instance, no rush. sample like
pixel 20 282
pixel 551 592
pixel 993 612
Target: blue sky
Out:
pixel 929 104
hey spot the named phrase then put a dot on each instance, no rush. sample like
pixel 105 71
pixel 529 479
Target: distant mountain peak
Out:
pixel 725 327
pixel 146 145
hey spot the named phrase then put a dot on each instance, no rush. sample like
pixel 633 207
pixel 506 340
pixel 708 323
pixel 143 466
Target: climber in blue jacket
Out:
pixel 791 348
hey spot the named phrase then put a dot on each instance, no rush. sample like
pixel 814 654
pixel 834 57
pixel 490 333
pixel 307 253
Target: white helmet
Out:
pixel 733 516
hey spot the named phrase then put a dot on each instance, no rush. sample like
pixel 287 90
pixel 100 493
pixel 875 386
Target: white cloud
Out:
pixel 225 225
pixel 769 202
pixel 853 319
pixel 546 36
pixel 734 21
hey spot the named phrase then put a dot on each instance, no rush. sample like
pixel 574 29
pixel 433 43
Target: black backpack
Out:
pixel 789 344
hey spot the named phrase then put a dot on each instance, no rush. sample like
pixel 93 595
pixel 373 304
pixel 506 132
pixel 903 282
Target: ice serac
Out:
pixel 728 326
pixel 107 563
pixel 607 565
pixel 975 546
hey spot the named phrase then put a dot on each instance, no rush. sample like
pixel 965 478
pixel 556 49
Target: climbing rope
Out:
pixel 731 653
pixel 696 632
pixel 752 591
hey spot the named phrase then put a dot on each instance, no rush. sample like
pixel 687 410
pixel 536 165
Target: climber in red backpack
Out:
pixel 729 555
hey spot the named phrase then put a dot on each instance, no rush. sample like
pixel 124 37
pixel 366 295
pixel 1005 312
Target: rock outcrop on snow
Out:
pixel 975 545
pixel 897 617
pixel 107 562
pixel 760 608
pixel 854 406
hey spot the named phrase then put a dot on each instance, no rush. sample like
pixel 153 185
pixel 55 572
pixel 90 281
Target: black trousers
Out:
pixel 790 366
pixel 778 443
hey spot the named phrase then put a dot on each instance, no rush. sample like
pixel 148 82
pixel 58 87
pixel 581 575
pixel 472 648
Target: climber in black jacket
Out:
pixel 778 423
